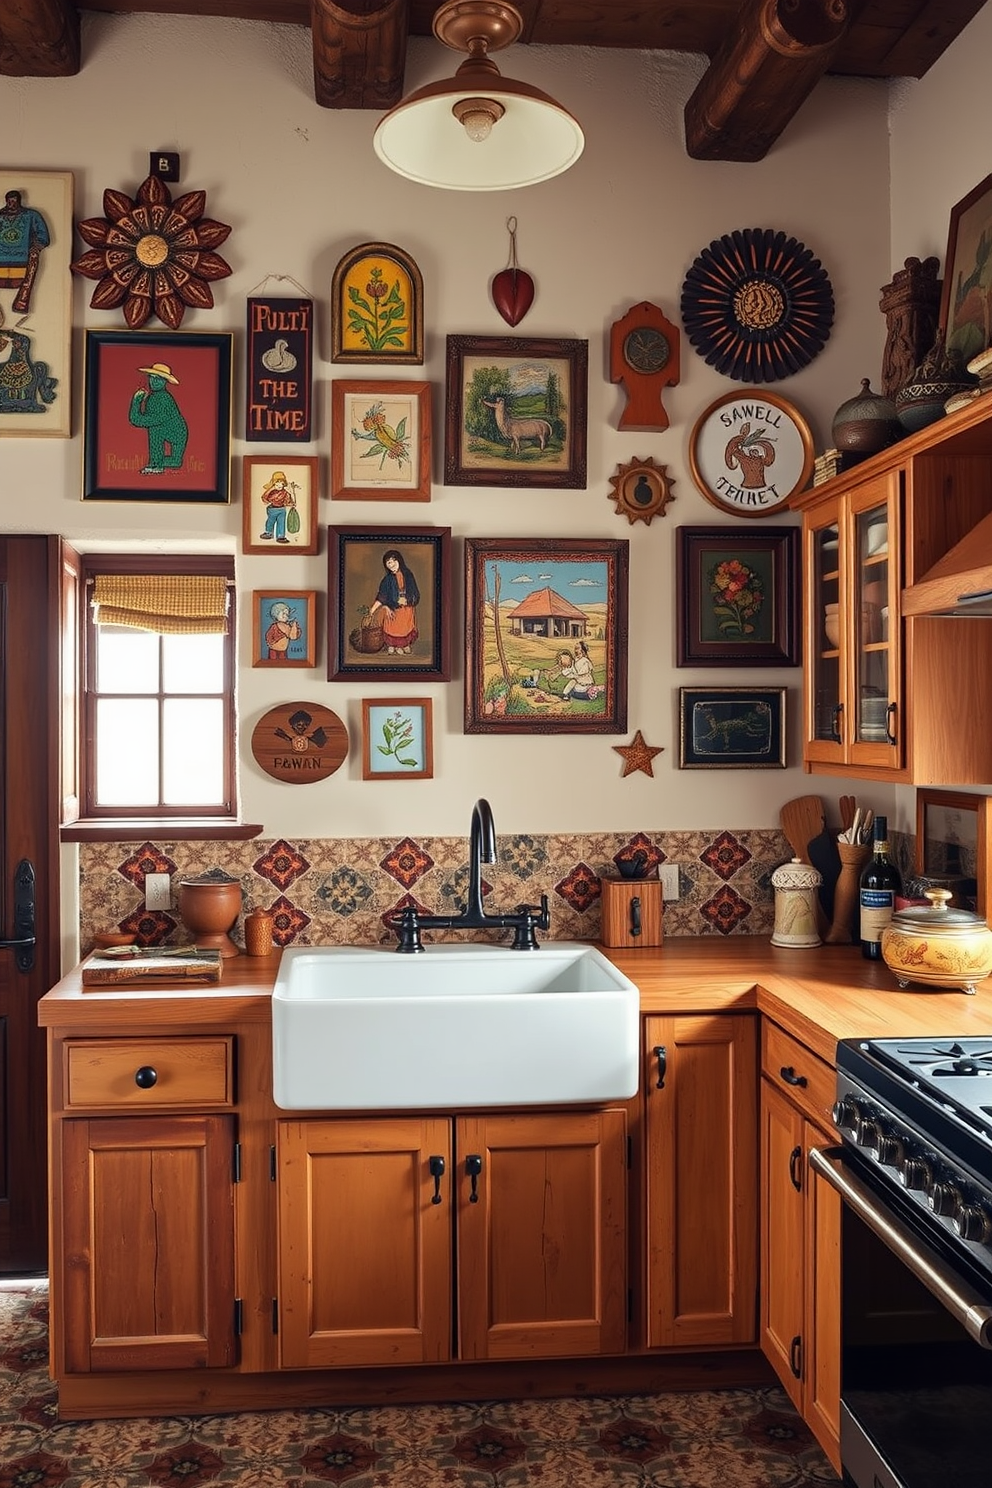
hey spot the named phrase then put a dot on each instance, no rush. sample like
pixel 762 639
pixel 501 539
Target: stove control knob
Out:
pixel 889 1150
pixel 846 1113
pixel 867 1132
pixel 944 1199
pixel 972 1222
pixel 916 1173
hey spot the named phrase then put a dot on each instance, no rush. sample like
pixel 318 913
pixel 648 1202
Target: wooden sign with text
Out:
pixel 280 370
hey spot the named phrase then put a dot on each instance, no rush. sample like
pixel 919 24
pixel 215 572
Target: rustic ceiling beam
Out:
pixel 39 38
pixel 359 52
pixel 766 68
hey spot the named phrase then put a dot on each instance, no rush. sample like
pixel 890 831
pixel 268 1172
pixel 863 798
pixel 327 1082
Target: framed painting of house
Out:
pixel 515 412
pixel 35 302
pixel 546 636
pixel 388 606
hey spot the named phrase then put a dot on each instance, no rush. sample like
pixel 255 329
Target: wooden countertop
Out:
pixel 820 994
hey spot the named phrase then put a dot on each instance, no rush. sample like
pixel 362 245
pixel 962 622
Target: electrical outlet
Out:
pixel 158 891
pixel 669 875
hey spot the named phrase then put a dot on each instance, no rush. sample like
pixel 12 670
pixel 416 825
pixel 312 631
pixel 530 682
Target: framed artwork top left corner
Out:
pixel 35 302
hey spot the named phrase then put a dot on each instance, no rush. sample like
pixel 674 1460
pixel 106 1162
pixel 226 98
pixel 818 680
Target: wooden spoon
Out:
pixel 848 806
pixel 802 820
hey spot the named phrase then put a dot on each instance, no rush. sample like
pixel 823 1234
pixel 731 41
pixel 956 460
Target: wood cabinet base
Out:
pixel 201 1392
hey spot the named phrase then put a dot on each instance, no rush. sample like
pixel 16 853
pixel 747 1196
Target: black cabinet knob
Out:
pixel 145 1077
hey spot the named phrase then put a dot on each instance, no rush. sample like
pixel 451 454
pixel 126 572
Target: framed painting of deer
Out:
pixel 515 411
pixel 546 636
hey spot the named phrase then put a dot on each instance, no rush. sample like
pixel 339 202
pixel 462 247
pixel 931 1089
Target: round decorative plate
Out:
pixel 757 305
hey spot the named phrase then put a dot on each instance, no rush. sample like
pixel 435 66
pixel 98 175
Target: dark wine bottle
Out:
pixel 880 883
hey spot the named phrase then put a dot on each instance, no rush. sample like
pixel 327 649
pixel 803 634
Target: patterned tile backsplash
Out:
pixel 335 891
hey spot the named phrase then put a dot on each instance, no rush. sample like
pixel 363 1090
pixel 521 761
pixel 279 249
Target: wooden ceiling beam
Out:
pixel 359 52
pixel 39 38
pixel 766 68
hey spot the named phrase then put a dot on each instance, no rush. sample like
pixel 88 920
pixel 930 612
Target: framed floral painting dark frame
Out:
pixel 737 595
pixel 515 411
pixel 550 655
pixel 731 728
pixel 359 645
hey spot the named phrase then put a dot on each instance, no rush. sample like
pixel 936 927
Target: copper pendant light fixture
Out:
pixel 478 130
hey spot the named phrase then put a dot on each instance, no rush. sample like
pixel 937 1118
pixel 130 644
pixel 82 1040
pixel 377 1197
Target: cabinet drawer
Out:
pixel 808 1081
pixel 136 1073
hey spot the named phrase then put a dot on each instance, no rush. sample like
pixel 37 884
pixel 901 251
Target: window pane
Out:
pixel 126 660
pixel 193 745
pixel 193 663
pixel 127 752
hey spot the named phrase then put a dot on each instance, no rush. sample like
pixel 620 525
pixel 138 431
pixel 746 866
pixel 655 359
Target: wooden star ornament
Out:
pixel 637 755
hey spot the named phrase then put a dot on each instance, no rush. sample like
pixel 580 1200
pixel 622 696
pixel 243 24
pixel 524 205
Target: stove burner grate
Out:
pixel 949 1061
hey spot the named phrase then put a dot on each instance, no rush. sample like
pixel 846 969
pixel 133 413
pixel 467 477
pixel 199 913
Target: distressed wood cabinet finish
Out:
pixel 700 1093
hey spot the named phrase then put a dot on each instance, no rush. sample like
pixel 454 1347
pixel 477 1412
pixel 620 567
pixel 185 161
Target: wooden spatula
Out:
pixel 802 820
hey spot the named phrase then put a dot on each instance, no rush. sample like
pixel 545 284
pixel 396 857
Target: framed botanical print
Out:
pixel 749 452
pixel 732 728
pixel 283 627
pixel 35 302
pixel 380 441
pixel 388 609
pixel 515 412
pixel 737 596
pixel 397 739
pixel 279 498
pixel 157 416
pixel 546 636
pixel 377 306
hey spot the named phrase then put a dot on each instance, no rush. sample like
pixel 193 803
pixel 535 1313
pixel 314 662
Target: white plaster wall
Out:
pixel 300 186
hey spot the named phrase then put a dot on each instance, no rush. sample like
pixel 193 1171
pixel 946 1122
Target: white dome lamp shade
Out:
pixel 478 131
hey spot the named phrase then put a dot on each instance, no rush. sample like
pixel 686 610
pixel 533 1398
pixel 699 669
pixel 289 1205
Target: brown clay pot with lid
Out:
pixel 937 946
pixel 866 423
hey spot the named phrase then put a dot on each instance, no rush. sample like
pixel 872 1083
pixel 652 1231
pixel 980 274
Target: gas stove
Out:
pixel 918 1112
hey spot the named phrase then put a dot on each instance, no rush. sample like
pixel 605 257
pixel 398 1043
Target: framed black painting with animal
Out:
pixel 515 412
pixel 732 728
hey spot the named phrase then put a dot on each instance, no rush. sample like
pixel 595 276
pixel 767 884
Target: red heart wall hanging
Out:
pixel 512 289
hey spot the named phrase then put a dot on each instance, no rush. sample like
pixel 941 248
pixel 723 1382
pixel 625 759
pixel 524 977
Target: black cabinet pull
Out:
pixel 635 916
pixel 796 1168
pixel 435 1167
pixel 791 1078
pixel 796 1356
pixel 473 1167
pixel 890 714
pixel 146 1077
pixel 661 1054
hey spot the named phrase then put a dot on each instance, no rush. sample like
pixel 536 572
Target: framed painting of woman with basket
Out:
pixel 388 601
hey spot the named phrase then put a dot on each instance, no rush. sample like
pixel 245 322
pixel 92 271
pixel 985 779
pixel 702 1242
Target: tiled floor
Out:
pixel 712 1439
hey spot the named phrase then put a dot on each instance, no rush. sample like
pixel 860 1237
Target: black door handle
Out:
pixel 23 940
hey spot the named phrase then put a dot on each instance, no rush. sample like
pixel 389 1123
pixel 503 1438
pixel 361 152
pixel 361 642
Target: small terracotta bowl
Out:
pixel 106 938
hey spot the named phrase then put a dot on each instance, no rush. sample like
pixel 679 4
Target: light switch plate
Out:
pixel 158 891
pixel 669 875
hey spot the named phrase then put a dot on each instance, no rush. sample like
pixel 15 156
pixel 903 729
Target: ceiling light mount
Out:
pixel 445 133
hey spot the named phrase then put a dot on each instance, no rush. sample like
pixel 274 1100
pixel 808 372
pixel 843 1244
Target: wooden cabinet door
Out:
pixel 542 1235
pixel 148 1214
pixel 783 1239
pixel 364 1251
pixel 701 1118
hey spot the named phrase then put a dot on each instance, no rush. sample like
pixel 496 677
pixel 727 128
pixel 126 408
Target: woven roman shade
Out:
pixel 169 604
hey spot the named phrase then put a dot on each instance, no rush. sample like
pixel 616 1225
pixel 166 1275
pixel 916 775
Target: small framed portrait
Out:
pixel 377 306
pixel 732 728
pixel 749 452
pixel 279 498
pixel 546 636
pixel 36 302
pixel 515 411
pixel 964 300
pixel 157 416
pixel 283 627
pixel 388 611
pixel 397 739
pixel 380 441
pixel 738 596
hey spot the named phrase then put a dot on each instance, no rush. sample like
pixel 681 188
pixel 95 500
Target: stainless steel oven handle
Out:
pixel 964 1304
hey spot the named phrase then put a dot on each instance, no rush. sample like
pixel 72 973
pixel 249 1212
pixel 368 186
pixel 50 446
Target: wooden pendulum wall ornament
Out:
pixel 641 489
pixel 644 356
pixel 512 289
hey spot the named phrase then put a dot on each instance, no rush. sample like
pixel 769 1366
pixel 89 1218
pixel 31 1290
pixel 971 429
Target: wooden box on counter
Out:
pixel 631 911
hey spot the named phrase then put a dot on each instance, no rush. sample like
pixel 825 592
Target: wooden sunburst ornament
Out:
pixel 637 755
pixel 641 489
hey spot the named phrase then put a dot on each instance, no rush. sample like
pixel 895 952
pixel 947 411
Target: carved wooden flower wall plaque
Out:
pixel 152 256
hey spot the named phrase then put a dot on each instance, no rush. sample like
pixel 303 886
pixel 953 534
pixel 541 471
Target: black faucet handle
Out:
pixel 407 927
pixel 531 917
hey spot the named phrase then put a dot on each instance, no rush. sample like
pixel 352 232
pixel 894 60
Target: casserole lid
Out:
pixel 936 917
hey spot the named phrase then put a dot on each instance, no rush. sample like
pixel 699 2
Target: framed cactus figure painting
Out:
pixel 749 452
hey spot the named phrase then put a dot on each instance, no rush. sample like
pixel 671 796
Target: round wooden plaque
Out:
pixel 299 742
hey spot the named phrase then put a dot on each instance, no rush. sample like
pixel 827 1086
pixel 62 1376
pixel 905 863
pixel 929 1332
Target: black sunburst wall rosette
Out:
pixel 757 305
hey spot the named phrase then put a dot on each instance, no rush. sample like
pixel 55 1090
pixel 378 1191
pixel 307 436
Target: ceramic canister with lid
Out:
pixel 796 886
pixel 938 946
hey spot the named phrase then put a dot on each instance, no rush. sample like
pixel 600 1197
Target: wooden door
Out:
pixel 701 1095
pixel 542 1235
pixel 29 866
pixel 364 1249
pixel 783 1171
pixel 148 1216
